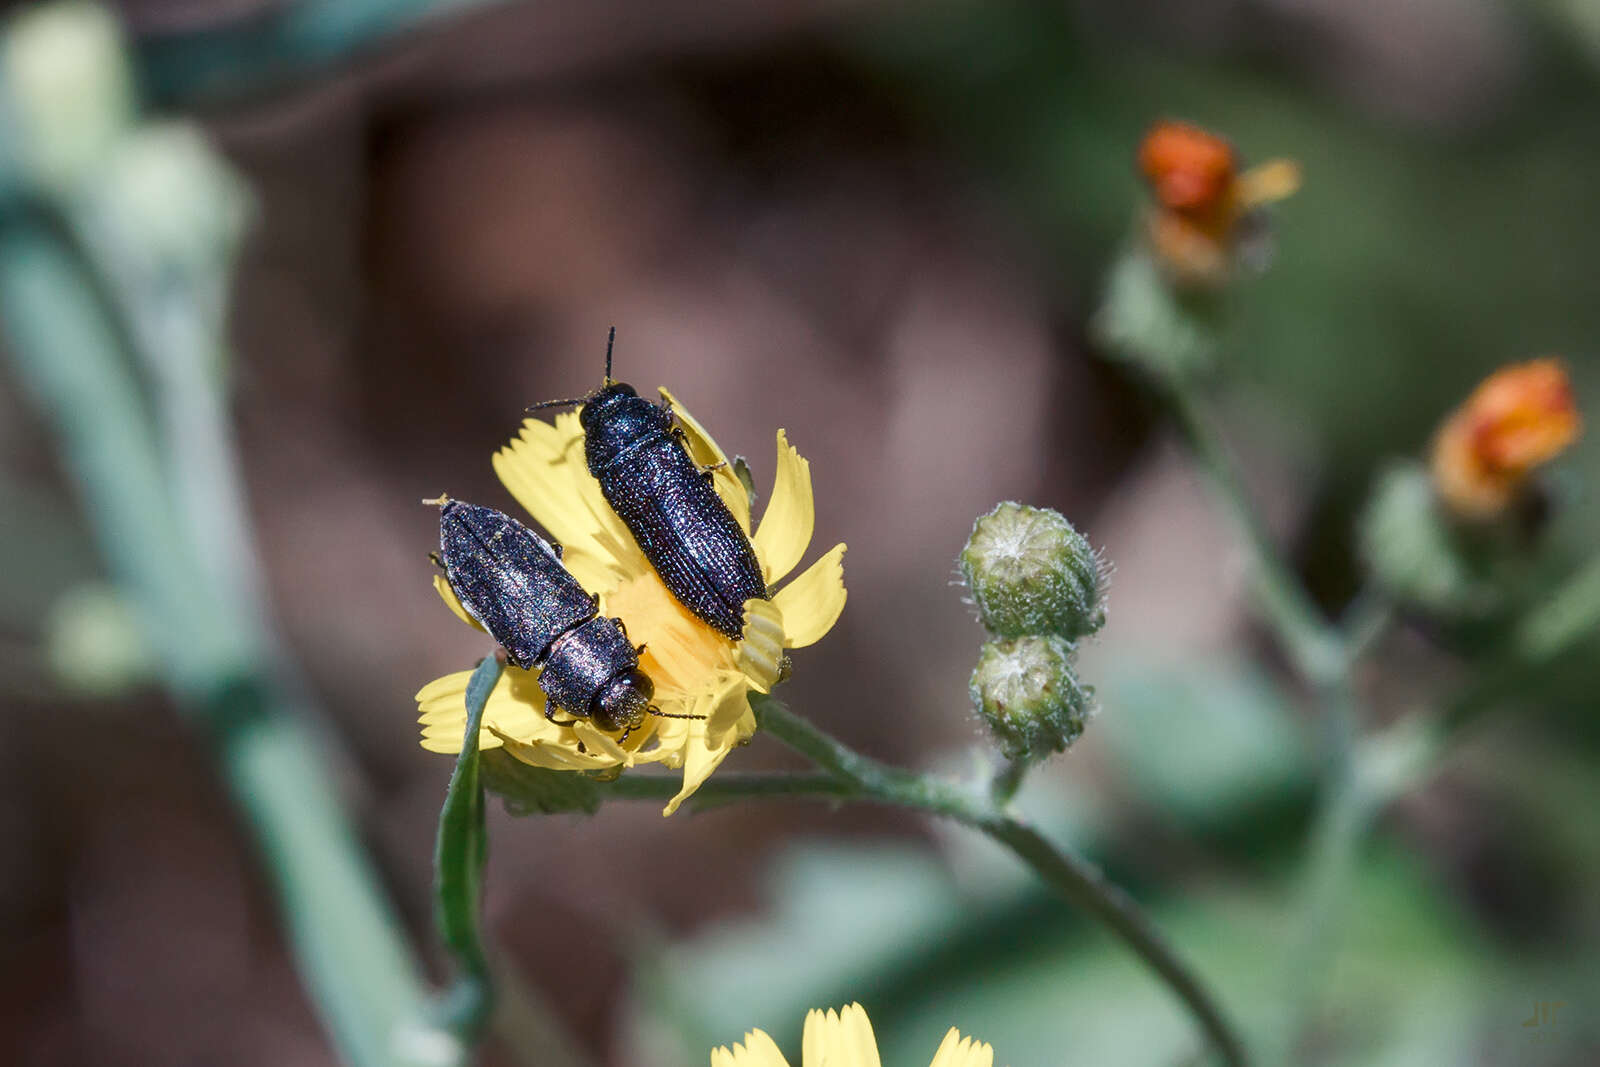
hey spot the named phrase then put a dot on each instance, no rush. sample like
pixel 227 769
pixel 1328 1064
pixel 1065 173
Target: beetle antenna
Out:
pixel 611 339
pixel 555 404
pixel 653 710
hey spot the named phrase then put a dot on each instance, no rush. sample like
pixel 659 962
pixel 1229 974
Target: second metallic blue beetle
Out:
pixel 669 503
pixel 513 582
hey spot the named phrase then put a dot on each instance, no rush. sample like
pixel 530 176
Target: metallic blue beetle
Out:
pixel 513 582
pixel 667 500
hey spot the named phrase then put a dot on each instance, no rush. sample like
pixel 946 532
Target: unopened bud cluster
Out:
pixel 1039 587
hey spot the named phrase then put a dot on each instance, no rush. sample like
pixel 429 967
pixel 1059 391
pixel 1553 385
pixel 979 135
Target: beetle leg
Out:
pixel 437 562
pixel 640 649
pixel 621 626
pixel 550 713
pixel 596 598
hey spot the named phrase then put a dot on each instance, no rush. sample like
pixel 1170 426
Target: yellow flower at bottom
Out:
pixel 697 671
pixel 844 1039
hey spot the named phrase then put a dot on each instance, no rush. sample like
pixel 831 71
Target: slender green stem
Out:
pixel 70 352
pixel 1374 771
pixel 1313 645
pixel 1007 780
pixel 352 953
pixel 252 54
pixel 1079 881
pixel 1405 754
pixel 724 789
pixel 1324 655
pixel 848 775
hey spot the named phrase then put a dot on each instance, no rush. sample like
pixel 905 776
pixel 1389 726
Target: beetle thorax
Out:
pixel 616 420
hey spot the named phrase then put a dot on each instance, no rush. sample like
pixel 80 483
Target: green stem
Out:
pixel 724 789
pixel 71 353
pixel 1324 656
pixel 352 953
pixel 1404 755
pixel 1079 881
pixel 1007 780
pixel 1375 771
pixel 225 61
pixel 1313 645
pixel 852 776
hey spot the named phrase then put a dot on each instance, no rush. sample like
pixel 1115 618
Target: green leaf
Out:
pixel 1144 321
pixel 530 790
pixel 459 856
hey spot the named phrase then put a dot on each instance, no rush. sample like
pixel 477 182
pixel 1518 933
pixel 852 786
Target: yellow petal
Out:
pixel 544 469
pixel 726 707
pixel 601 744
pixel 515 707
pixel 787 523
pixel 839 1039
pixel 1266 182
pixel 758 1050
pixel 556 757
pixel 958 1051
pixel 859 1042
pixel 812 602
pixel 705 451
pixel 760 654
pixel 535 469
pixel 453 602
pixel 816 1040
pixel 699 759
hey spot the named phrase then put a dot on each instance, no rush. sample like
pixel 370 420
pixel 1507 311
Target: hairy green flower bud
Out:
pixel 1026 691
pixel 1030 572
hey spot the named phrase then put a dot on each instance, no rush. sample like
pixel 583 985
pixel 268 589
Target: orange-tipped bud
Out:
pixel 1189 169
pixel 1519 418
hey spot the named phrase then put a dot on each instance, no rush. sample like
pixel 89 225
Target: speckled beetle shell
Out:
pixel 513 582
pixel 682 525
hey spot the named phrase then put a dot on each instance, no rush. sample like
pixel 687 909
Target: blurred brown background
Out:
pixel 879 226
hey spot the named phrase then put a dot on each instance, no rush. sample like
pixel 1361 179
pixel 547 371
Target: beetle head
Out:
pixel 615 418
pixel 623 702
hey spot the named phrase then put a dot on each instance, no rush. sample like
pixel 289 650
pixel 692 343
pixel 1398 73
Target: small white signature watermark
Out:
pixel 1543 1020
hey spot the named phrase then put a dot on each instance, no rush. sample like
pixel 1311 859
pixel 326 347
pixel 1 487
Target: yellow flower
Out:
pixel 844 1039
pixel 697 671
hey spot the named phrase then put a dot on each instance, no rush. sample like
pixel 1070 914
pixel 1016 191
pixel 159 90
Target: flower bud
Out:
pixel 1026 691
pixel 70 89
pixel 1518 419
pixel 1189 169
pixel 1030 572
pixel 1206 219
